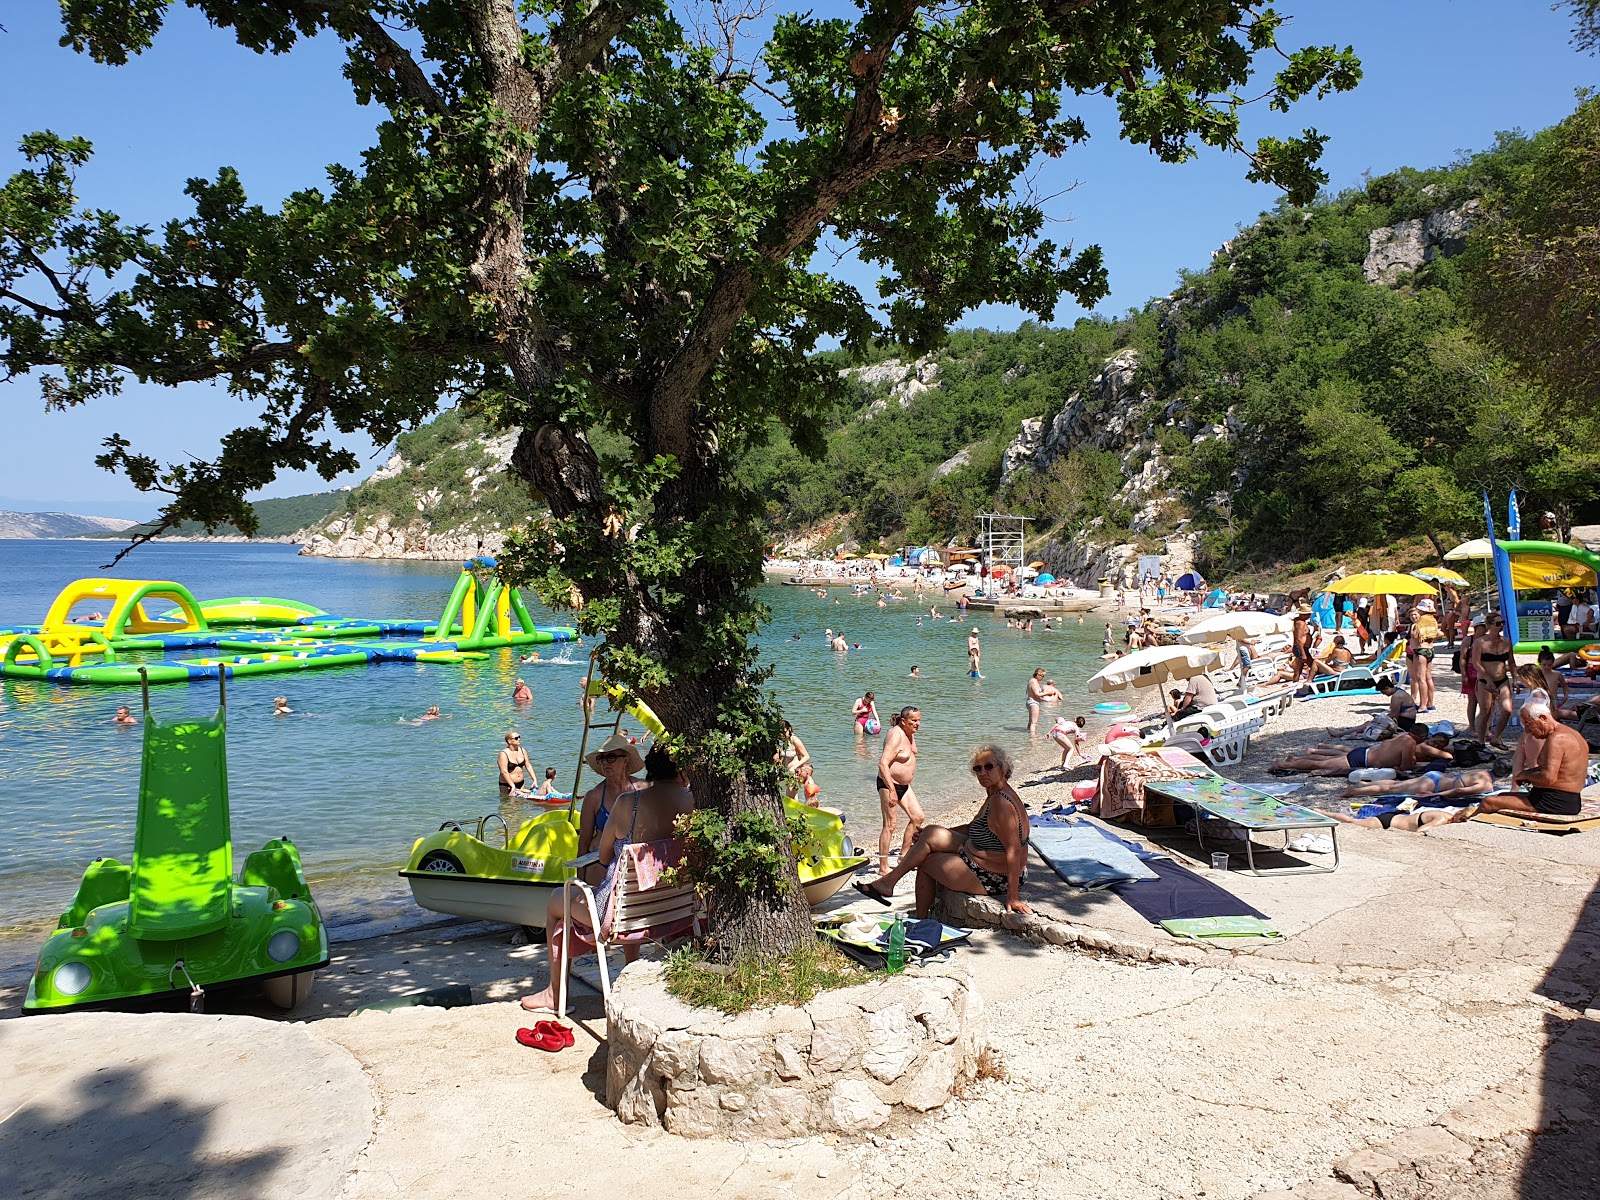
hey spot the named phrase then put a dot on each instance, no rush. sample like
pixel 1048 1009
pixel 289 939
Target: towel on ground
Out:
pixel 1086 859
pixel 1178 893
pixel 1207 928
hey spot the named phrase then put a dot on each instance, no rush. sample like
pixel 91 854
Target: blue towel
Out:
pixel 1085 858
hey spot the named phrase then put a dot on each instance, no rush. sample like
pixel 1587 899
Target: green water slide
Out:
pixel 176 921
pixel 183 847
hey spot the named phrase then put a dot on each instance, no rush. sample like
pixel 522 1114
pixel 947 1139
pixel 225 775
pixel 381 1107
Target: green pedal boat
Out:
pixel 462 874
pixel 175 922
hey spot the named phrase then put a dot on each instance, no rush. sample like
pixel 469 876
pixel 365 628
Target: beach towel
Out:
pixel 1178 893
pixel 1209 928
pixel 1085 859
pixel 1060 816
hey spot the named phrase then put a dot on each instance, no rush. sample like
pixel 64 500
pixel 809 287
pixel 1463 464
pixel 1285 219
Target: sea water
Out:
pixel 354 784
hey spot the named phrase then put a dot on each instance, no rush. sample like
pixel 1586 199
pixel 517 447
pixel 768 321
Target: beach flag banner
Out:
pixel 1513 519
pixel 1502 575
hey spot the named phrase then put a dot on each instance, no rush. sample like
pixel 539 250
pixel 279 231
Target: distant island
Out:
pixel 60 525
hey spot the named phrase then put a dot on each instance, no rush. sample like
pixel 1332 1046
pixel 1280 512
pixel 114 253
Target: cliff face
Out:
pixel 444 494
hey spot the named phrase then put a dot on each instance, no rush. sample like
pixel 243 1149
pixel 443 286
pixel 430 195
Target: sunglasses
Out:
pixel 611 756
pixel 977 767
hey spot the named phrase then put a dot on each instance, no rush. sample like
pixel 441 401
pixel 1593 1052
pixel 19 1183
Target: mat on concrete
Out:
pixel 1177 893
pixel 1084 857
pixel 1542 824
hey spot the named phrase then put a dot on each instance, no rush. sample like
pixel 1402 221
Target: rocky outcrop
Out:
pixel 1111 415
pixel 382 537
pixel 1397 250
pixel 906 381
pixel 849 1062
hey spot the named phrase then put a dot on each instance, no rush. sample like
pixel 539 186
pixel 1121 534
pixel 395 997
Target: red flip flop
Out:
pixel 542 1038
pixel 562 1032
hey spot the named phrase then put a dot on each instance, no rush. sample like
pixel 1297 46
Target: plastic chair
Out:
pixel 637 915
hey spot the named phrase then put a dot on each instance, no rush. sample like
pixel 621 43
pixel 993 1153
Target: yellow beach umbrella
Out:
pixel 1036 565
pixel 1381 583
pixel 1443 575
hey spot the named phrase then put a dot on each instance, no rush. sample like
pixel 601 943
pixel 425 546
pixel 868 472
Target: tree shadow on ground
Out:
pixel 110 1135
pixel 1563 1158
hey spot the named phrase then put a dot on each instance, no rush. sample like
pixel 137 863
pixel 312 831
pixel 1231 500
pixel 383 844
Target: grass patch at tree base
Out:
pixel 760 982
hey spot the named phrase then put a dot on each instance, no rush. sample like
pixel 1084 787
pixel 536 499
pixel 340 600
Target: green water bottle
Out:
pixel 897 946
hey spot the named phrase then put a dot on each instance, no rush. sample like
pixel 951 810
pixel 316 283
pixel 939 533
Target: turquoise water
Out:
pixel 354 786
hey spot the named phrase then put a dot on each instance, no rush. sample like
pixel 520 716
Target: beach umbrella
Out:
pixel 1153 666
pixel 1381 583
pixel 1235 624
pixel 1442 575
pixel 1476 548
pixel 1046 578
pixel 1036 565
pixel 1189 581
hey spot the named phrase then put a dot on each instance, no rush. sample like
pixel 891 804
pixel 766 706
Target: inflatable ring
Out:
pixel 1591 653
pixel 1111 706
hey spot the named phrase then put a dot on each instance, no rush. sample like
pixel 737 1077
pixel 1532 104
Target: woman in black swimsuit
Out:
pixel 986 856
pixel 513 764
pixel 1494 659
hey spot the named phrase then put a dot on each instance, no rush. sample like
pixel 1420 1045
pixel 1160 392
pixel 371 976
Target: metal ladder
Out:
pixel 612 724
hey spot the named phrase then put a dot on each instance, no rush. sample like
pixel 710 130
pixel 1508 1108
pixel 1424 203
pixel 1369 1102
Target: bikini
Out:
pixel 1505 680
pixel 981 837
pixel 510 766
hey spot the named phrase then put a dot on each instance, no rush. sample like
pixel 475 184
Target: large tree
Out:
pixel 1533 278
pixel 579 217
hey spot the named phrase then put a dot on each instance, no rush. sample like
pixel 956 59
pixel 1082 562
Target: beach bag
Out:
pixel 1468 752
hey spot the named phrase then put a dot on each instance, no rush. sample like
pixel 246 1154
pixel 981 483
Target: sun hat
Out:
pixel 1302 609
pixel 612 744
pixel 1425 604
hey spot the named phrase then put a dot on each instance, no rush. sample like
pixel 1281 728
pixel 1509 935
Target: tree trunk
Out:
pixel 768 921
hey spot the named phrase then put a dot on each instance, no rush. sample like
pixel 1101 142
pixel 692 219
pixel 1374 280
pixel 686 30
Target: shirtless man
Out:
pixel 124 717
pixel 1493 661
pixel 1400 752
pixel 897 767
pixel 1303 638
pixel 1555 782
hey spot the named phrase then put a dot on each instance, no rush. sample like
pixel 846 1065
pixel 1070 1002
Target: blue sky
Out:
pixel 1441 78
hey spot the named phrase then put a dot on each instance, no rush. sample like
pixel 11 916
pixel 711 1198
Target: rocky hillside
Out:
pixel 444 494
pixel 57 525
pixel 1315 390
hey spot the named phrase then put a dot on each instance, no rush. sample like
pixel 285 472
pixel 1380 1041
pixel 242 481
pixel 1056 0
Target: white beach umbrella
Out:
pixel 1153 666
pixel 1476 548
pixel 1235 624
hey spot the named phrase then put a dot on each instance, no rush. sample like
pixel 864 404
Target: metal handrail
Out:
pixel 505 829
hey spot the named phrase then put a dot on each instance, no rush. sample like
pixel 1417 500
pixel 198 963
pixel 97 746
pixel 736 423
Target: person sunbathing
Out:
pixel 1399 752
pixel 1334 659
pixel 1411 822
pixel 1476 782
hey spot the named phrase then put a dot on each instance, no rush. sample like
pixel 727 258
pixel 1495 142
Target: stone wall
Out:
pixel 850 1062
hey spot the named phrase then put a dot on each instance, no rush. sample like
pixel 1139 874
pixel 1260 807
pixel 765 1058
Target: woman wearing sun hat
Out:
pixel 617 760
pixel 1419 652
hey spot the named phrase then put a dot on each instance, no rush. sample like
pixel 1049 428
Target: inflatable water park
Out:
pixel 155 631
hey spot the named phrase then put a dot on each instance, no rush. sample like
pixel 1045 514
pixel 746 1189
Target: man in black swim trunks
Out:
pixel 1555 782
